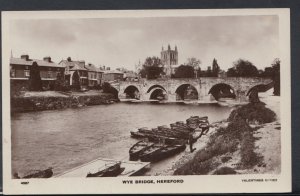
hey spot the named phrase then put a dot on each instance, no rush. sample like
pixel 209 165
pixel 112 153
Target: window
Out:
pixel 26 67
pixel 26 73
pixel 12 73
pixel 49 74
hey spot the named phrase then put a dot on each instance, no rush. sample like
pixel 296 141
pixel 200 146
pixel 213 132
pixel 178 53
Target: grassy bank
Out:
pixel 234 143
pixel 51 100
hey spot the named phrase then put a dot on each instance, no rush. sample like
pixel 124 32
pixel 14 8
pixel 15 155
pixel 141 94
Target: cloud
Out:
pixel 123 41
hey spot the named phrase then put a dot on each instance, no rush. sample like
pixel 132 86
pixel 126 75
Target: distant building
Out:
pixel 20 71
pixel 138 67
pixel 169 59
pixel 75 66
pixel 94 75
pixel 130 76
pixel 112 76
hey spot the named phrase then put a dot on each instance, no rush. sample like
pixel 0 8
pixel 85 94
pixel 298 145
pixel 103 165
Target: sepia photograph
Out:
pixel 146 101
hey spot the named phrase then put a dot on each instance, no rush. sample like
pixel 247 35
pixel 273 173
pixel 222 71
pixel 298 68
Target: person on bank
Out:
pixel 191 141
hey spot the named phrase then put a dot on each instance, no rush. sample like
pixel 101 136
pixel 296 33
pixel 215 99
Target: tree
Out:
pixel 276 76
pixel 60 83
pixel 215 68
pixel 184 71
pixel 76 81
pixel 193 62
pixel 231 72
pixel 107 88
pixel 152 68
pixel 242 68
pixel 35 81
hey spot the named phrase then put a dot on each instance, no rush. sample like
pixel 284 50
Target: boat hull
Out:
pixel 163 153
pixel 137 149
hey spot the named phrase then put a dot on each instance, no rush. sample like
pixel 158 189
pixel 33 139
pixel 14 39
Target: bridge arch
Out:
pixel 157 92
pixel 260 88
pixel 222 90
pixel 186 91
pixel 155 86
pixel 132 92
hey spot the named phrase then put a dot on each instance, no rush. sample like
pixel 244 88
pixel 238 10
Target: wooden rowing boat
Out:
pixel 110 171
pixel 47 173
pixel 163 152
pixel 138 148
pixel 147 154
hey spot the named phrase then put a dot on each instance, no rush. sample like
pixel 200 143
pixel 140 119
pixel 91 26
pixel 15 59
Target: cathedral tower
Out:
pixel 168 58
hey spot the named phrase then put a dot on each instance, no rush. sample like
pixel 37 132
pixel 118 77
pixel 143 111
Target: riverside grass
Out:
pixel 238 135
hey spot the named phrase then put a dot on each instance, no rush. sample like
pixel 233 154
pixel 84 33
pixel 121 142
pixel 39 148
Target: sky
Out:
pixel 123 42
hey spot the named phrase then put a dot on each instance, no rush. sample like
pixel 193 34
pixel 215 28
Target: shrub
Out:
pixel 248 157
pixel 224 171
pixel 253 112
pixel 35 81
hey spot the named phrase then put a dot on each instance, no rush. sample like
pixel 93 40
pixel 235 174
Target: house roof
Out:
pixel 113 72
pixel 20 61
pixel 79 66
pixel 76 66
pixel 91 67
pixel 130 75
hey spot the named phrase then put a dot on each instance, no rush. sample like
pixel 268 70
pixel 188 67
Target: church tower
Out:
pixel 168 58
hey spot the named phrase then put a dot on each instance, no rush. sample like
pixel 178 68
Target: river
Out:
pixel 64 139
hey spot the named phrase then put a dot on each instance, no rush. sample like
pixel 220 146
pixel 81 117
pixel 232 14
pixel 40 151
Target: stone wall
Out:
pixel 240 86
pixel 38 103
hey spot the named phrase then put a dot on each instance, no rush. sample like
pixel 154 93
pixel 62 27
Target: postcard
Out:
pixel 146 101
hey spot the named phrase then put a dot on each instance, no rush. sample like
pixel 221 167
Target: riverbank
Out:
pixel 254 151
pixel 52 100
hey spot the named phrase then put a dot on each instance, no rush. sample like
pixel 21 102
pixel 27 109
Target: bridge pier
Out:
pixel 241 96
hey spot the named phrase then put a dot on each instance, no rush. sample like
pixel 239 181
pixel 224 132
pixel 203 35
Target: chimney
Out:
pixel 82 63
pixel 47 59
pixel 107 68
pixel 25 56
pixel 69 59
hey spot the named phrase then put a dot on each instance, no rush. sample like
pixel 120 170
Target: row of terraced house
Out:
pixel 90 75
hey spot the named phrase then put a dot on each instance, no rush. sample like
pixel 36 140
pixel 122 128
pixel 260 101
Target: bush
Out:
pixel 224 171
pixel 248 157
pixel 253 112
pixel 35 81
pixel 196 168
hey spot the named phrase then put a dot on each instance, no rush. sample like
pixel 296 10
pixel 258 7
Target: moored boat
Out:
pixel 148 153
pixel 47 173
pixel 137 134
pixel 164 152
pixel 138 148
pixel 110 171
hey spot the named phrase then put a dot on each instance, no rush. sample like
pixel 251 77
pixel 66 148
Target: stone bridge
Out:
pixel 204 88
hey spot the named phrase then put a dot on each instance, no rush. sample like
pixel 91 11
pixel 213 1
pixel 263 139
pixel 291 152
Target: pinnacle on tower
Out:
pixel 175 48
pixel 162 48
pixel 169 48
